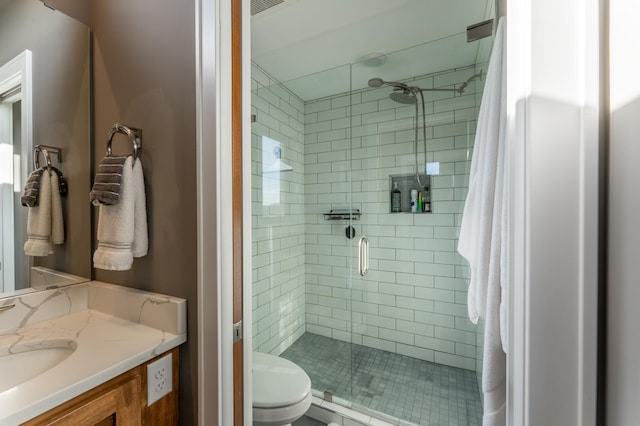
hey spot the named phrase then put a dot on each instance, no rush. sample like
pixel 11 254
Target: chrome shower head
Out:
pixel 375 82
pixel 378 82
pixel 401 92
pixel 403 96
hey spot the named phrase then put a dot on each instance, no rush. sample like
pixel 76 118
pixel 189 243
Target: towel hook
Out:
pixel 134 134
pixel 45 150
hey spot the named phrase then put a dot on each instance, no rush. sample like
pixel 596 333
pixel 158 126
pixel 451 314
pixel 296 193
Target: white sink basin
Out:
pixel 29 361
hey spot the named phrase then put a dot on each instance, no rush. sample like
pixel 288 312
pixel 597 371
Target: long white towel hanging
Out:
pixel 484 231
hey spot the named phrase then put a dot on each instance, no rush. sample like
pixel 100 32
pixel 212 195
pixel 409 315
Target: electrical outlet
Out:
pixel 159 379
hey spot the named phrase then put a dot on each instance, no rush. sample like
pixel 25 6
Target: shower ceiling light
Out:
pixel 374 59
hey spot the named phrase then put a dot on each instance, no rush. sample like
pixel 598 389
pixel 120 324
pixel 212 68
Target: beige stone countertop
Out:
pixel 112 329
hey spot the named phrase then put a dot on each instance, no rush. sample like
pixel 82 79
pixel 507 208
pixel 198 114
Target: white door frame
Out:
pixel 555 59
pixel 214 187
pixel 211 115
pixel 15 73
pixel 554 81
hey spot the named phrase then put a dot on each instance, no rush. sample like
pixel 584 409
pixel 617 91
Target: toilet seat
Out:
pixel 281 390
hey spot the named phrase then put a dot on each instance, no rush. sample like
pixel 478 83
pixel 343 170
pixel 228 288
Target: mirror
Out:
pixel 52 108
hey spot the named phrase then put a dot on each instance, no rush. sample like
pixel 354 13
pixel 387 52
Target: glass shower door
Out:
pixel 330 230
pixel 376 323
pixel 413 355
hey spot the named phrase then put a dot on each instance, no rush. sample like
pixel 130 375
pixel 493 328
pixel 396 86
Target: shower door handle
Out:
pixel 363 256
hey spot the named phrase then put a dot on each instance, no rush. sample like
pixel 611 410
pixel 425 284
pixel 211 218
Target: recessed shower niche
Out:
pixel 405 185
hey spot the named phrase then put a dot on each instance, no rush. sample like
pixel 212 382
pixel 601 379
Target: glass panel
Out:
pixel 414 351
pixel 301 254
pixel 277 176
pixel 326 151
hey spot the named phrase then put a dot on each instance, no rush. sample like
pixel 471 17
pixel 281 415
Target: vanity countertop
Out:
pixel 115 329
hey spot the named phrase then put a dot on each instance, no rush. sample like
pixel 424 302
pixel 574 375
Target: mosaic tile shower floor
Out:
pixel 410 389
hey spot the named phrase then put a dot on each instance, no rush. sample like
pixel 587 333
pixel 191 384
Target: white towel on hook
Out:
pixel 140 244
pixel 483 233
pixel 57 222
pixel 122 227
pixel 45 223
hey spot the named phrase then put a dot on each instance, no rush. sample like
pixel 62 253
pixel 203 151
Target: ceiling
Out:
pixel 309 44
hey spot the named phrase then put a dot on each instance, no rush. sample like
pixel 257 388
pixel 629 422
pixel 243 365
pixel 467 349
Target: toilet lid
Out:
pixel 277 382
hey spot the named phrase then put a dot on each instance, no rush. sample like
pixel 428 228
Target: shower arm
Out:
pixel 460 89
pixel 416 89
pixel 419 89
pixel 397 85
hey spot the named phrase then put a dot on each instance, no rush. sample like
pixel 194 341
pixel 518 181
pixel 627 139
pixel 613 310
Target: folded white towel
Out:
pixel 122 227
pixel 45 224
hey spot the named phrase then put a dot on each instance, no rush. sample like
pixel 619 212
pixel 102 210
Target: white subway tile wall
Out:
pixel 278 241
pixel 413 300
pixel 343 150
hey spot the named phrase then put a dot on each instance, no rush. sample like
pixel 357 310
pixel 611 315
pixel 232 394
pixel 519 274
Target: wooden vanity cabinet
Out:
pixel 121 401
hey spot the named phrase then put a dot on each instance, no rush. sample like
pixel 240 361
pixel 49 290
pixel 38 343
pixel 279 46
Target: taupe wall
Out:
pixel 61 70
pixel 144 76
pixel 80 10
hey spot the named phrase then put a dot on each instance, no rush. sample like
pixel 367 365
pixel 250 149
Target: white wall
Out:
pixel 623 338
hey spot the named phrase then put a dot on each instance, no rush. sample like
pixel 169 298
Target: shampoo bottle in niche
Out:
pixel 414 200
pixel 396 196
pixel 426 202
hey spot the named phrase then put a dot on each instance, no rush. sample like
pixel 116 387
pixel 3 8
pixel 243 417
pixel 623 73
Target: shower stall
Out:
pixel 370 302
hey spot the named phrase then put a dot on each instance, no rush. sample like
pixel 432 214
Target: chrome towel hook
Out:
pixel 135 135
pixel 46 151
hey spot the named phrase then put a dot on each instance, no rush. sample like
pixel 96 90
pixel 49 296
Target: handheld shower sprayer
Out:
pixel 375 82
pixel 378 82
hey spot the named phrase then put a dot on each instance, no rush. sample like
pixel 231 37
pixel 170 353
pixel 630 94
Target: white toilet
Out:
pixel 281 391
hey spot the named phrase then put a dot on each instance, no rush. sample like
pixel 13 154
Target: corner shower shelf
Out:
pixel 344 214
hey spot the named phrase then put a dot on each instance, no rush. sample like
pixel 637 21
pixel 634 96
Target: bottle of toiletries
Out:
pixel 426 203
pixel 414 200
pixel 396 196
pixel 419 202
